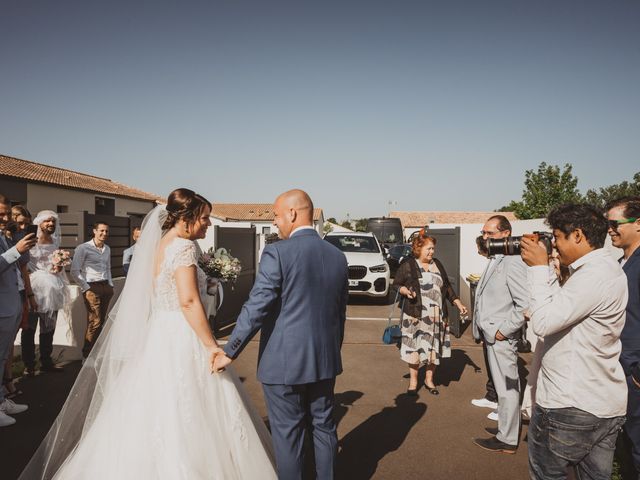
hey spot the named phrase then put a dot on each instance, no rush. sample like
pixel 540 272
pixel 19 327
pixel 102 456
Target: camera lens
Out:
pixel 504 246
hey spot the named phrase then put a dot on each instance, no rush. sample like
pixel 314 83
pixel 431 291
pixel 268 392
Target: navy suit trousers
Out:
pixel 632 432
pixel 294 409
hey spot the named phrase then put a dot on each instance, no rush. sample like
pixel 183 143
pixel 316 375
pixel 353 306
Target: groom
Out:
pixel 299 303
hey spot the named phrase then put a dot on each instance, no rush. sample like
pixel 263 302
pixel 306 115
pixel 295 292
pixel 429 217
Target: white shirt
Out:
pixel 581 325
pixel 304 227
pixel 91 264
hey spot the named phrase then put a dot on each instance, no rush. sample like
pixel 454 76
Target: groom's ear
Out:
pixel 293 215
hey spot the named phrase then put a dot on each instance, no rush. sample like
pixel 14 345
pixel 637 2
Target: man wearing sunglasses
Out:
pixel 623 215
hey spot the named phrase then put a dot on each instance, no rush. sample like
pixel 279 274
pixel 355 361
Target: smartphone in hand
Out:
pixel 31 229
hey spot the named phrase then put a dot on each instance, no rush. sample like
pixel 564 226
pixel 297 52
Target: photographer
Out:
pixel 582 393
pixel 501 299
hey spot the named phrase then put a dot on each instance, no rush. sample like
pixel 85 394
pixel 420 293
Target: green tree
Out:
pixel 332 220
pixel 361 225
pixel 544 189
pixel 327 227
pixel 603 195
pixel 346 224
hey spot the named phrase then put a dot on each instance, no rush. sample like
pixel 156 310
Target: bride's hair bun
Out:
pixel 184 204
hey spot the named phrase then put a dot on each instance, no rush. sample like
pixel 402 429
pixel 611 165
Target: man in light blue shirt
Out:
pixel 127 255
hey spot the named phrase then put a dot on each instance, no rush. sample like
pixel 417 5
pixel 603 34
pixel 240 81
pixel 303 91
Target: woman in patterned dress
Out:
pixel 423 281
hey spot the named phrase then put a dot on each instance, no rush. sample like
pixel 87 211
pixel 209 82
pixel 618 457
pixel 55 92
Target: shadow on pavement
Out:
pixel 45 394
pixel 362 448
pixel 343 401
pixel 451 369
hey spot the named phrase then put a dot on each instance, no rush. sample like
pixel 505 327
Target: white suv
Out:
pixel 368 270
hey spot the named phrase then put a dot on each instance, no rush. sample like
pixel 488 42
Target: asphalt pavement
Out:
pixel 383 434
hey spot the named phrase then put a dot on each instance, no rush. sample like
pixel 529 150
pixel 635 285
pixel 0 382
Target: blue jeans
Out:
pixel 560 438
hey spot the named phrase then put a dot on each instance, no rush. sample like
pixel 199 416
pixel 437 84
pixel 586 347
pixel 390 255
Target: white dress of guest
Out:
pixel 49 288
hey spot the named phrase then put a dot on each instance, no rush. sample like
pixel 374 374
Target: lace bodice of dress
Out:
pixel 179 253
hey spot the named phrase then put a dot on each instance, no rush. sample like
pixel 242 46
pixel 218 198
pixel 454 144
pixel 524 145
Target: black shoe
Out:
pixel 432 391
pixel 29 372
pixel 412 392
pixel 51 368
pixel 494 445
pixel 491 430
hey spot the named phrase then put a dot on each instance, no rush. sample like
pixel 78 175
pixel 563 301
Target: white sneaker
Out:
pixel 12 408
pixel 493 416
pixel 484 403
pixel 6 420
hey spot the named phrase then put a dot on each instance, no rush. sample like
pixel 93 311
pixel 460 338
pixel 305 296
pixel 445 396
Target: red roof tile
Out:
pixel 48 175
pixel 420 219
pixel 250 212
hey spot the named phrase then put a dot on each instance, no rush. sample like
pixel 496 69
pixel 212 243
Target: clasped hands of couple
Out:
pixel 218 360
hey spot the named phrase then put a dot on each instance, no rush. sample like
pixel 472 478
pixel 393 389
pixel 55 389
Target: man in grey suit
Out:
pixel 299 303
pixel 501 300
pixel 10 302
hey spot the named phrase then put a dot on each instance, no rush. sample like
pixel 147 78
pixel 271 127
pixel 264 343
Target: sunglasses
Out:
pixel 614 224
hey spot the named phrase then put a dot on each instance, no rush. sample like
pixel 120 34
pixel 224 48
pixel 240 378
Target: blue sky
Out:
pixel 431 105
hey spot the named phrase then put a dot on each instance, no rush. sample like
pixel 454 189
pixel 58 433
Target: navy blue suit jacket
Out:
pixel 299 302
pixel 630 336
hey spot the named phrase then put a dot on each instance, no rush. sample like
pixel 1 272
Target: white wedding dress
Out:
pixel 162 415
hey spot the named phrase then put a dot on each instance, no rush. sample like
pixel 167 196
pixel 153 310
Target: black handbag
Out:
pixel 392 333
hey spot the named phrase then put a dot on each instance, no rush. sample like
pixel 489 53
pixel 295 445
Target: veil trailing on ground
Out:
pixel 118 347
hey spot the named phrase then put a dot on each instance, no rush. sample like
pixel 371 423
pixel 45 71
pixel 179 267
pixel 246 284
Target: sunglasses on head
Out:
pixel 614 224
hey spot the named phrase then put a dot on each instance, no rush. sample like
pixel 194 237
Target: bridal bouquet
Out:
pixel 60 259
pixel 220 264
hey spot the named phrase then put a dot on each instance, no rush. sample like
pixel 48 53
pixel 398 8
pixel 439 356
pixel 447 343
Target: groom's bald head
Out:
pixel 292 209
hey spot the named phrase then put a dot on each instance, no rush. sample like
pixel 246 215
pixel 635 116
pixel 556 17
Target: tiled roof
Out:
pixel 48 175
pixel 420 219
pixel 250 212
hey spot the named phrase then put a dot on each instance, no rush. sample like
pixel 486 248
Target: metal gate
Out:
pixel 241 243
pixel 448 252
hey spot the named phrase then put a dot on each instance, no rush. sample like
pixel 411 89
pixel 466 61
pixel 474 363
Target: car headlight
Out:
pixel 379 268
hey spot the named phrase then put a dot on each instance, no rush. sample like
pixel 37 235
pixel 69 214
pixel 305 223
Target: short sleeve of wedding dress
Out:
pixel 183 254
pixel 179 253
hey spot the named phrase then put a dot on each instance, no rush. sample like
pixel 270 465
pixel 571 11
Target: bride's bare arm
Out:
pixel 191 305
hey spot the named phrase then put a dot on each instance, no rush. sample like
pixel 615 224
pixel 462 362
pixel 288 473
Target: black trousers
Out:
pixel 27 339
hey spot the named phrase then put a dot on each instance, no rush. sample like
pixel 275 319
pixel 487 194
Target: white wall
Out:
pixel 45 197
pixel 124 206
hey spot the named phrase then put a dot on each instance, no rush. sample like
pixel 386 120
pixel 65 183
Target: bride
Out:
pixel 145 404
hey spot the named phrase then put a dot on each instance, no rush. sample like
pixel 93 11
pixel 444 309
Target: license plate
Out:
pixel 353 283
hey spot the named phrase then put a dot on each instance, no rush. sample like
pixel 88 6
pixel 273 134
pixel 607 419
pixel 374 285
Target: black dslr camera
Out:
pixel 511 245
